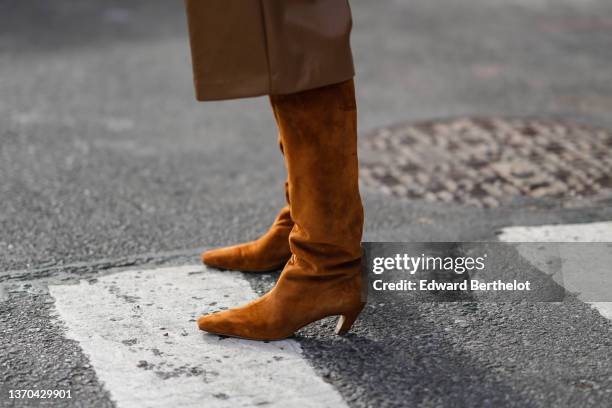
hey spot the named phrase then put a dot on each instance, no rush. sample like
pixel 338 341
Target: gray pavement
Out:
pixel 106 161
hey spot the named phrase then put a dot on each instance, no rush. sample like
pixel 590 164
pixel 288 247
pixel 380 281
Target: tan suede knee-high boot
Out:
pixel 267 253
pixel 319 133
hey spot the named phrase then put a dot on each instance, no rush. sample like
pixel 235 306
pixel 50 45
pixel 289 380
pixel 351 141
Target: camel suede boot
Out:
pixel 269 252
pixel 318 129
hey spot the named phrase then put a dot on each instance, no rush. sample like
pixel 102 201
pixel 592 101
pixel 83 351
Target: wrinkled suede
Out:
pixel 267 253
pixel 318 129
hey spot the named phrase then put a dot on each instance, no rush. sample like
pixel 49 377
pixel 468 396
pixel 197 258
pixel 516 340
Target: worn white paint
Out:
pixel 585 269
pixel 138 328
pixel 591 232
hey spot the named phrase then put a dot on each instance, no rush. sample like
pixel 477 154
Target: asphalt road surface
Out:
pixel 113 179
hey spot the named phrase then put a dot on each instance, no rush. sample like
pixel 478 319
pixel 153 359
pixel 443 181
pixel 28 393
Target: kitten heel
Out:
pixel 346 320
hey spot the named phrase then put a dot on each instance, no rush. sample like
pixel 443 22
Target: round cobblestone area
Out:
pixel 489 161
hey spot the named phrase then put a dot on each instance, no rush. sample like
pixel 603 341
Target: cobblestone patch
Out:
pixel 488 161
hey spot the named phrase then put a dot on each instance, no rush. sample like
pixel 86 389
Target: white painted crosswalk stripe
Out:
pixel 138 328
pixel 587 274
pixel 590 232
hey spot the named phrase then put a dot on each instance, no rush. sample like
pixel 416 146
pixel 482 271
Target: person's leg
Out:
pixel 319 134
pixel 267 253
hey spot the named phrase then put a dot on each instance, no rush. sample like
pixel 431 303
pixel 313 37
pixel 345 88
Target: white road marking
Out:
pixel 592 232
pixel 586 270
pixel 138 328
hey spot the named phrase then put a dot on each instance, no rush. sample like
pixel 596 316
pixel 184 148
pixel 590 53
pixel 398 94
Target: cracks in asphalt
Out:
pixel 100 267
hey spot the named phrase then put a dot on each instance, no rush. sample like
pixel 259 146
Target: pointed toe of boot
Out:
pixel 224 324
pixel 243 258
pixel 222 258
pixel 213 323
pixel 246 322
pixel 208 258
pixel 221 323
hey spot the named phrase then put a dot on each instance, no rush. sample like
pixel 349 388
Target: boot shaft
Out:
pixel 318 132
